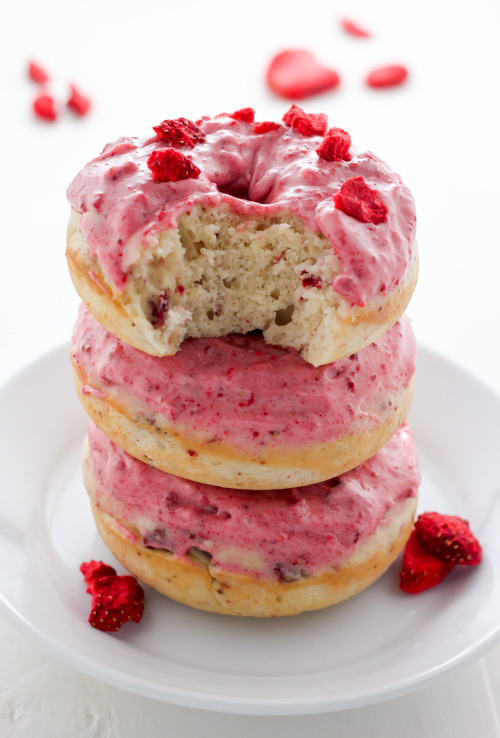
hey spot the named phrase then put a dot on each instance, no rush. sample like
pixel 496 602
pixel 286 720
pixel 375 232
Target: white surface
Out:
pixel 375 646
pixel 144 62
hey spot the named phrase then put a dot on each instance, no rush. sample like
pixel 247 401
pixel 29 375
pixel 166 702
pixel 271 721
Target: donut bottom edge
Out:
pixel 193 582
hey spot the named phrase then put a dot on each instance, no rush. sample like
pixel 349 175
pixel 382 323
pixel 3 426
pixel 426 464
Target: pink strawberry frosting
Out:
pixel 255 175
pixel 241 389
pixel 285 534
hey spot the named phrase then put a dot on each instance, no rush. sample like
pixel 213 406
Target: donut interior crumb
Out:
pixel 219 273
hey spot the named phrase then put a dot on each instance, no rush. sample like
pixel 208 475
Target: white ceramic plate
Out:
pixel 376 646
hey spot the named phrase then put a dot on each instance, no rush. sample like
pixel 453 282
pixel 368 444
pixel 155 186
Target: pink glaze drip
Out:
pixel 278 171
pixel 295 532
pixel 242 389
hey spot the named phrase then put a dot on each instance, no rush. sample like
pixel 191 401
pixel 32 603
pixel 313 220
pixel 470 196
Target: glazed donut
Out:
pixel 268 553
pixel 261 232
pixel 236 412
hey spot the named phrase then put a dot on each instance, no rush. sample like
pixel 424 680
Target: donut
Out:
pixel 267 553
pixel 228 226
pixel 234 411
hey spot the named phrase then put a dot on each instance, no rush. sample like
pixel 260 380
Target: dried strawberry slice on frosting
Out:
pixel 359 201
pixel 180 132
pixel 335 145
pixel 169 165
pixel 308 124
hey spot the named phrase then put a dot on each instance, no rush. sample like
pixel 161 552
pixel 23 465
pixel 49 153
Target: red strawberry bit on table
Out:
pixel 359 201
pixel 180 132
pixel 421 569
pixel 169 165
pixel 44 107
pixel 390 76
pixel 115 599
pixel 37 73
pixel 246 114
pixel 296 74
pixel 335 145
pixel 354 29
pixel 266 126
pixel 77 102
pixel 449 538
pixel 308 124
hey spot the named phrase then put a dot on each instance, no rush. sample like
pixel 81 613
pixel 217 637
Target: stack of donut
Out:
pixel 244 359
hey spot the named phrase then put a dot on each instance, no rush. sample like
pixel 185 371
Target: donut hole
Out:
pixel 239 190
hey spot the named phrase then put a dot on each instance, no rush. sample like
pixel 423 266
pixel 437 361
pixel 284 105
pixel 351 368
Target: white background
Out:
pixel 143 62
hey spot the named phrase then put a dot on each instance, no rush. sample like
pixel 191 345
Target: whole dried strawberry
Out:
pixel 115 601
pixel 449 538
pixel 169 165
pixel 359 201
pixel 180 132
pixel 421 569
pixel 308 124
pixel 335 145
pixel 93 570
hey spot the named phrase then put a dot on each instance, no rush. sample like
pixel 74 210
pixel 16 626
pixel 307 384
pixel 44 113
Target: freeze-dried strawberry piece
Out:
pixel 311 280
pixel 246 114
pixel 449 538
pixel 335 145
pixel 115 601
pixel 354 29
pixel 93 570
pixel 390 76
pixel 296 74
pixel 159 309
pixel 359 201
pixel 44 107
pixel 266 126
pixel 421 569
pixel 37 73
pixel 169 165
pixel 308 124
pixel 77 102
pixel 180 132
